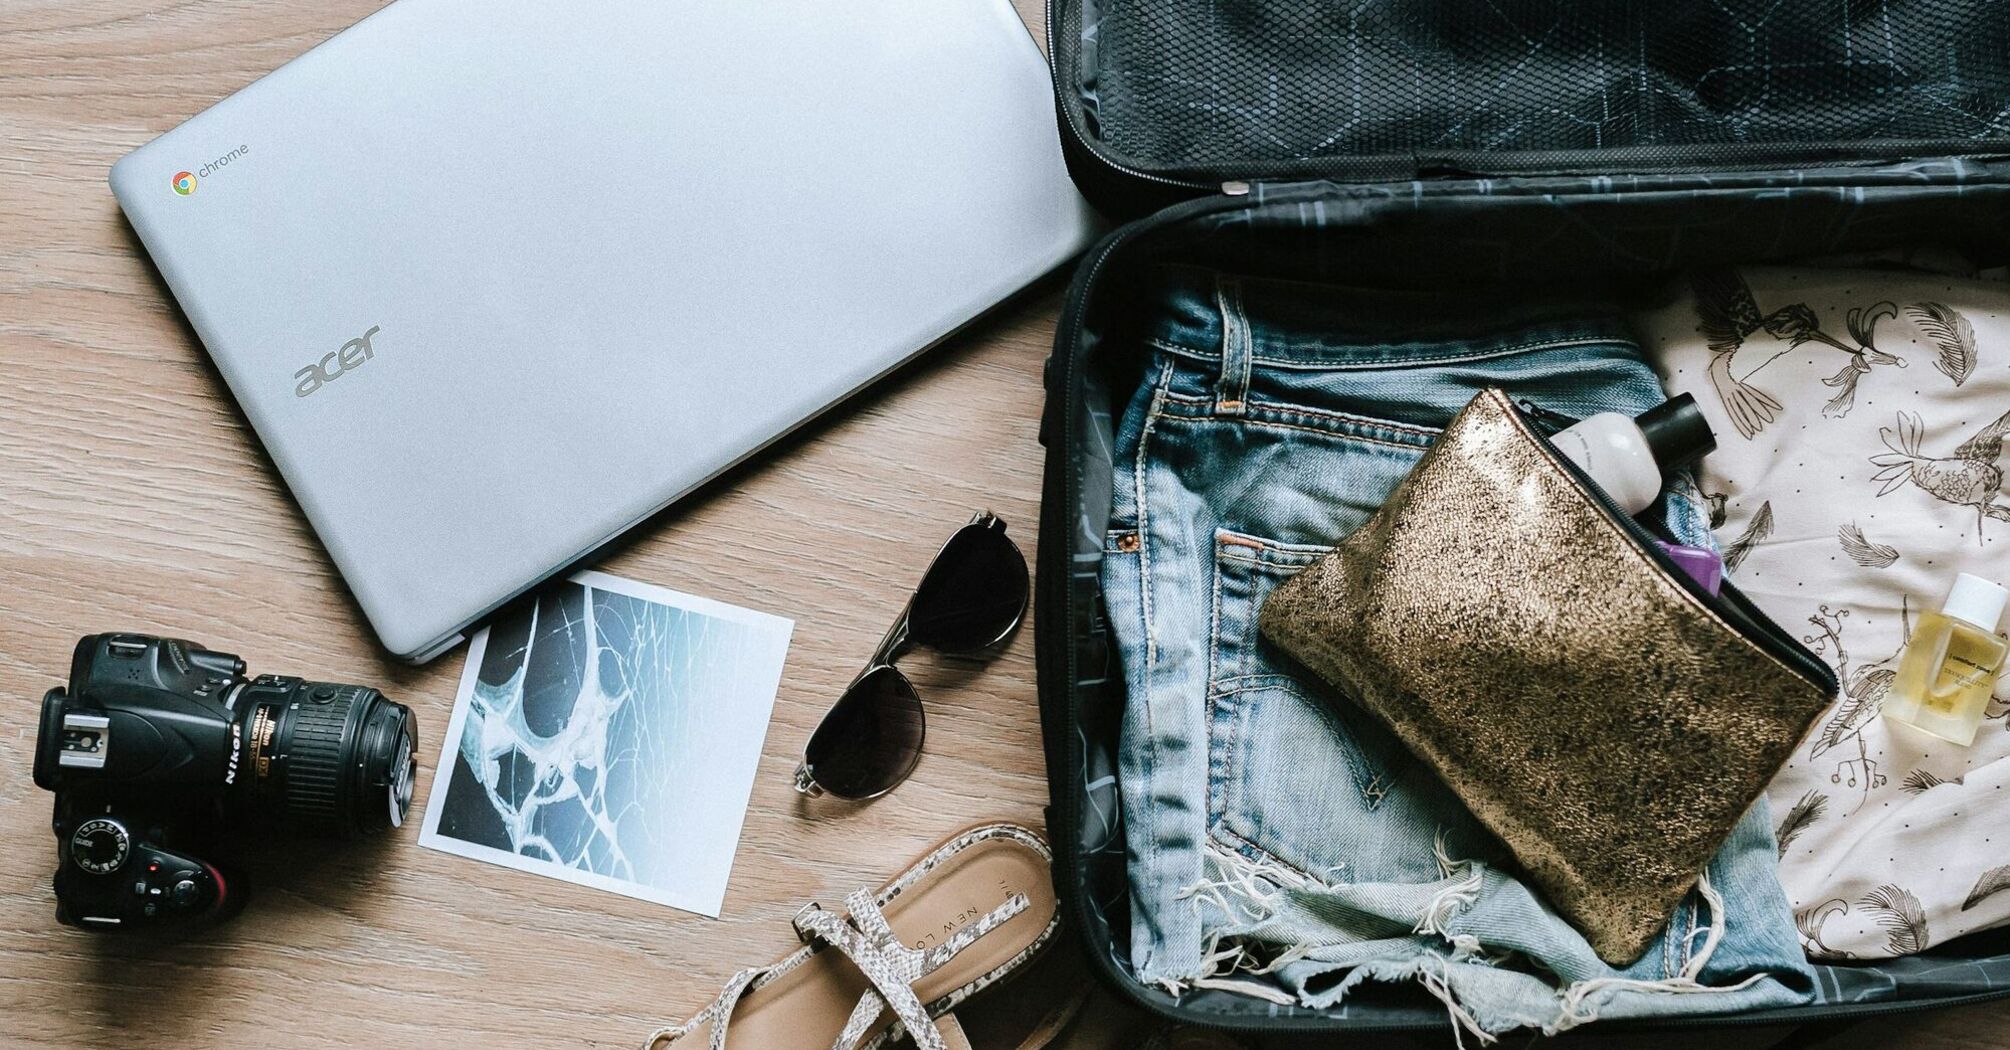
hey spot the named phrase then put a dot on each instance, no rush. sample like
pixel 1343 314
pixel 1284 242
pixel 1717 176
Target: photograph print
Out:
pixel 606 733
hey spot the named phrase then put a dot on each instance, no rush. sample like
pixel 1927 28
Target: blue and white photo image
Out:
pixel 607 733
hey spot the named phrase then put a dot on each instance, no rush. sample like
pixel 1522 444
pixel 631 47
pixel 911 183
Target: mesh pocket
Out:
pixel 1232 85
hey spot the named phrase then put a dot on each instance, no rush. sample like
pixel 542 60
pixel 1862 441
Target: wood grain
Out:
pixel 132 496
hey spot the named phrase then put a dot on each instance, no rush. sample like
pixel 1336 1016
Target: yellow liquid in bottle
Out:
pixel 1946 678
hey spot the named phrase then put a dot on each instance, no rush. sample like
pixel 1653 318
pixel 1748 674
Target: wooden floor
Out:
pixel 133 497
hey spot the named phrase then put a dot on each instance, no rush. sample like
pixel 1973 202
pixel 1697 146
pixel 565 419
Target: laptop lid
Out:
pixel 495 280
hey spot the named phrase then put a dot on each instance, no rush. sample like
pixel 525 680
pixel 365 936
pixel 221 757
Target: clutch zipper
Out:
pixel 1730 604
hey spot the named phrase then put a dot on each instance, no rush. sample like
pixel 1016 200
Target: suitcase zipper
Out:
pixel 1070 121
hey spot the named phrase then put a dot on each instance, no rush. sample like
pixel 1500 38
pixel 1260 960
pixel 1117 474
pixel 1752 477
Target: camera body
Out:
pixel 159 750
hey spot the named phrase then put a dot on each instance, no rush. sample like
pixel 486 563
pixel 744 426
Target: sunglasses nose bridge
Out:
pixel 898 640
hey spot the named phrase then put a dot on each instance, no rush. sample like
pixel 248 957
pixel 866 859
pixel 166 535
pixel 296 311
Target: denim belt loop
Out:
pixel 1233 388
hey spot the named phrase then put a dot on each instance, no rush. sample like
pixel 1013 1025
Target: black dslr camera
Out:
pixel 159 748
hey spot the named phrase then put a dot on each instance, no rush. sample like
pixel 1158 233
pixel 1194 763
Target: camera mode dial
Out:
pixel 100 846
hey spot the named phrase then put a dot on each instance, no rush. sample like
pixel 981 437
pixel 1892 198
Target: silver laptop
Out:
pixel 495 280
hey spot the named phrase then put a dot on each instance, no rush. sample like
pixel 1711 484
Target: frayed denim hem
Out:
pixel 1244 956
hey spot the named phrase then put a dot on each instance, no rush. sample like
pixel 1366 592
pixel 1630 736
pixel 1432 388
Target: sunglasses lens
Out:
pixel 871 739
pixel 973 594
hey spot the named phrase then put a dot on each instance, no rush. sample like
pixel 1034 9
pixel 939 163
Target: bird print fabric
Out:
pixel 1729 317
pixel 1970 477
pixel 1861 417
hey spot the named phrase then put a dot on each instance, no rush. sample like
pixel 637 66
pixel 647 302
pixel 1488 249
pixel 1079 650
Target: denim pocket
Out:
pixel 1292 768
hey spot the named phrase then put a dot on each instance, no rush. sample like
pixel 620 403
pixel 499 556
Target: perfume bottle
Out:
pixel 1949 669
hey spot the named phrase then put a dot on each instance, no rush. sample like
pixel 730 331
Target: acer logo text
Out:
pixel 335 364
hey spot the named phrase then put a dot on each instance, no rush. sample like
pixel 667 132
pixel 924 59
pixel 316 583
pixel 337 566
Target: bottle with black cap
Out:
pixel 1630 457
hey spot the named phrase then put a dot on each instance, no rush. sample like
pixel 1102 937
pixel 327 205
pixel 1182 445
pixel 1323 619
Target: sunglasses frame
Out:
pixel 898 642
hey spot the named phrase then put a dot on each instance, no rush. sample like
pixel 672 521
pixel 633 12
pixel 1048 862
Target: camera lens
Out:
pixel 327 758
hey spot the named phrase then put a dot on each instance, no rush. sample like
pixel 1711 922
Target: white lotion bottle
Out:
pixel 1630 457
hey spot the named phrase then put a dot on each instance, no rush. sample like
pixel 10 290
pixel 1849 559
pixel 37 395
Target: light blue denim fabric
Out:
pixel 1281 841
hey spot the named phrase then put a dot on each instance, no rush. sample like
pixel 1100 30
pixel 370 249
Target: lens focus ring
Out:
pixel 314 759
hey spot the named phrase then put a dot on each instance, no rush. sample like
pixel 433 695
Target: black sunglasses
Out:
pixel 971 599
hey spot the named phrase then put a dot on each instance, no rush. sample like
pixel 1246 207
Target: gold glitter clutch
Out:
pixel 1603 715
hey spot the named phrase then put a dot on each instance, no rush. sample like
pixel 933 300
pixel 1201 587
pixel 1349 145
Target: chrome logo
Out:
pixel 184 183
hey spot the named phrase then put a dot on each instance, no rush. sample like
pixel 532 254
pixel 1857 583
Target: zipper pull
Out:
pixel 1550 422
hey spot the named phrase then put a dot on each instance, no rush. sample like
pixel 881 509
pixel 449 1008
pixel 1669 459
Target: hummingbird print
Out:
pixel 1972 477
pixel 1729 316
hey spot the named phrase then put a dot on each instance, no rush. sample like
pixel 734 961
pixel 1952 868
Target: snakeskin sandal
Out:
pixel 972 912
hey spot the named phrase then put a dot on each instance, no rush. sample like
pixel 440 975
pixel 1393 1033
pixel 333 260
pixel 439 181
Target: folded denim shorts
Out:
pixel 1281 842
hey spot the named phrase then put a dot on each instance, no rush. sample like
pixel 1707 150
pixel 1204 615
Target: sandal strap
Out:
pixel 892 967
pixel 953 1036
pixel 863 1014
pixel 729 997
pixel 719 1011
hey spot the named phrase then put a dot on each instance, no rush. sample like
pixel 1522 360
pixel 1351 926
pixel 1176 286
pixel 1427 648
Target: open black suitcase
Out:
pixel 1473 143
